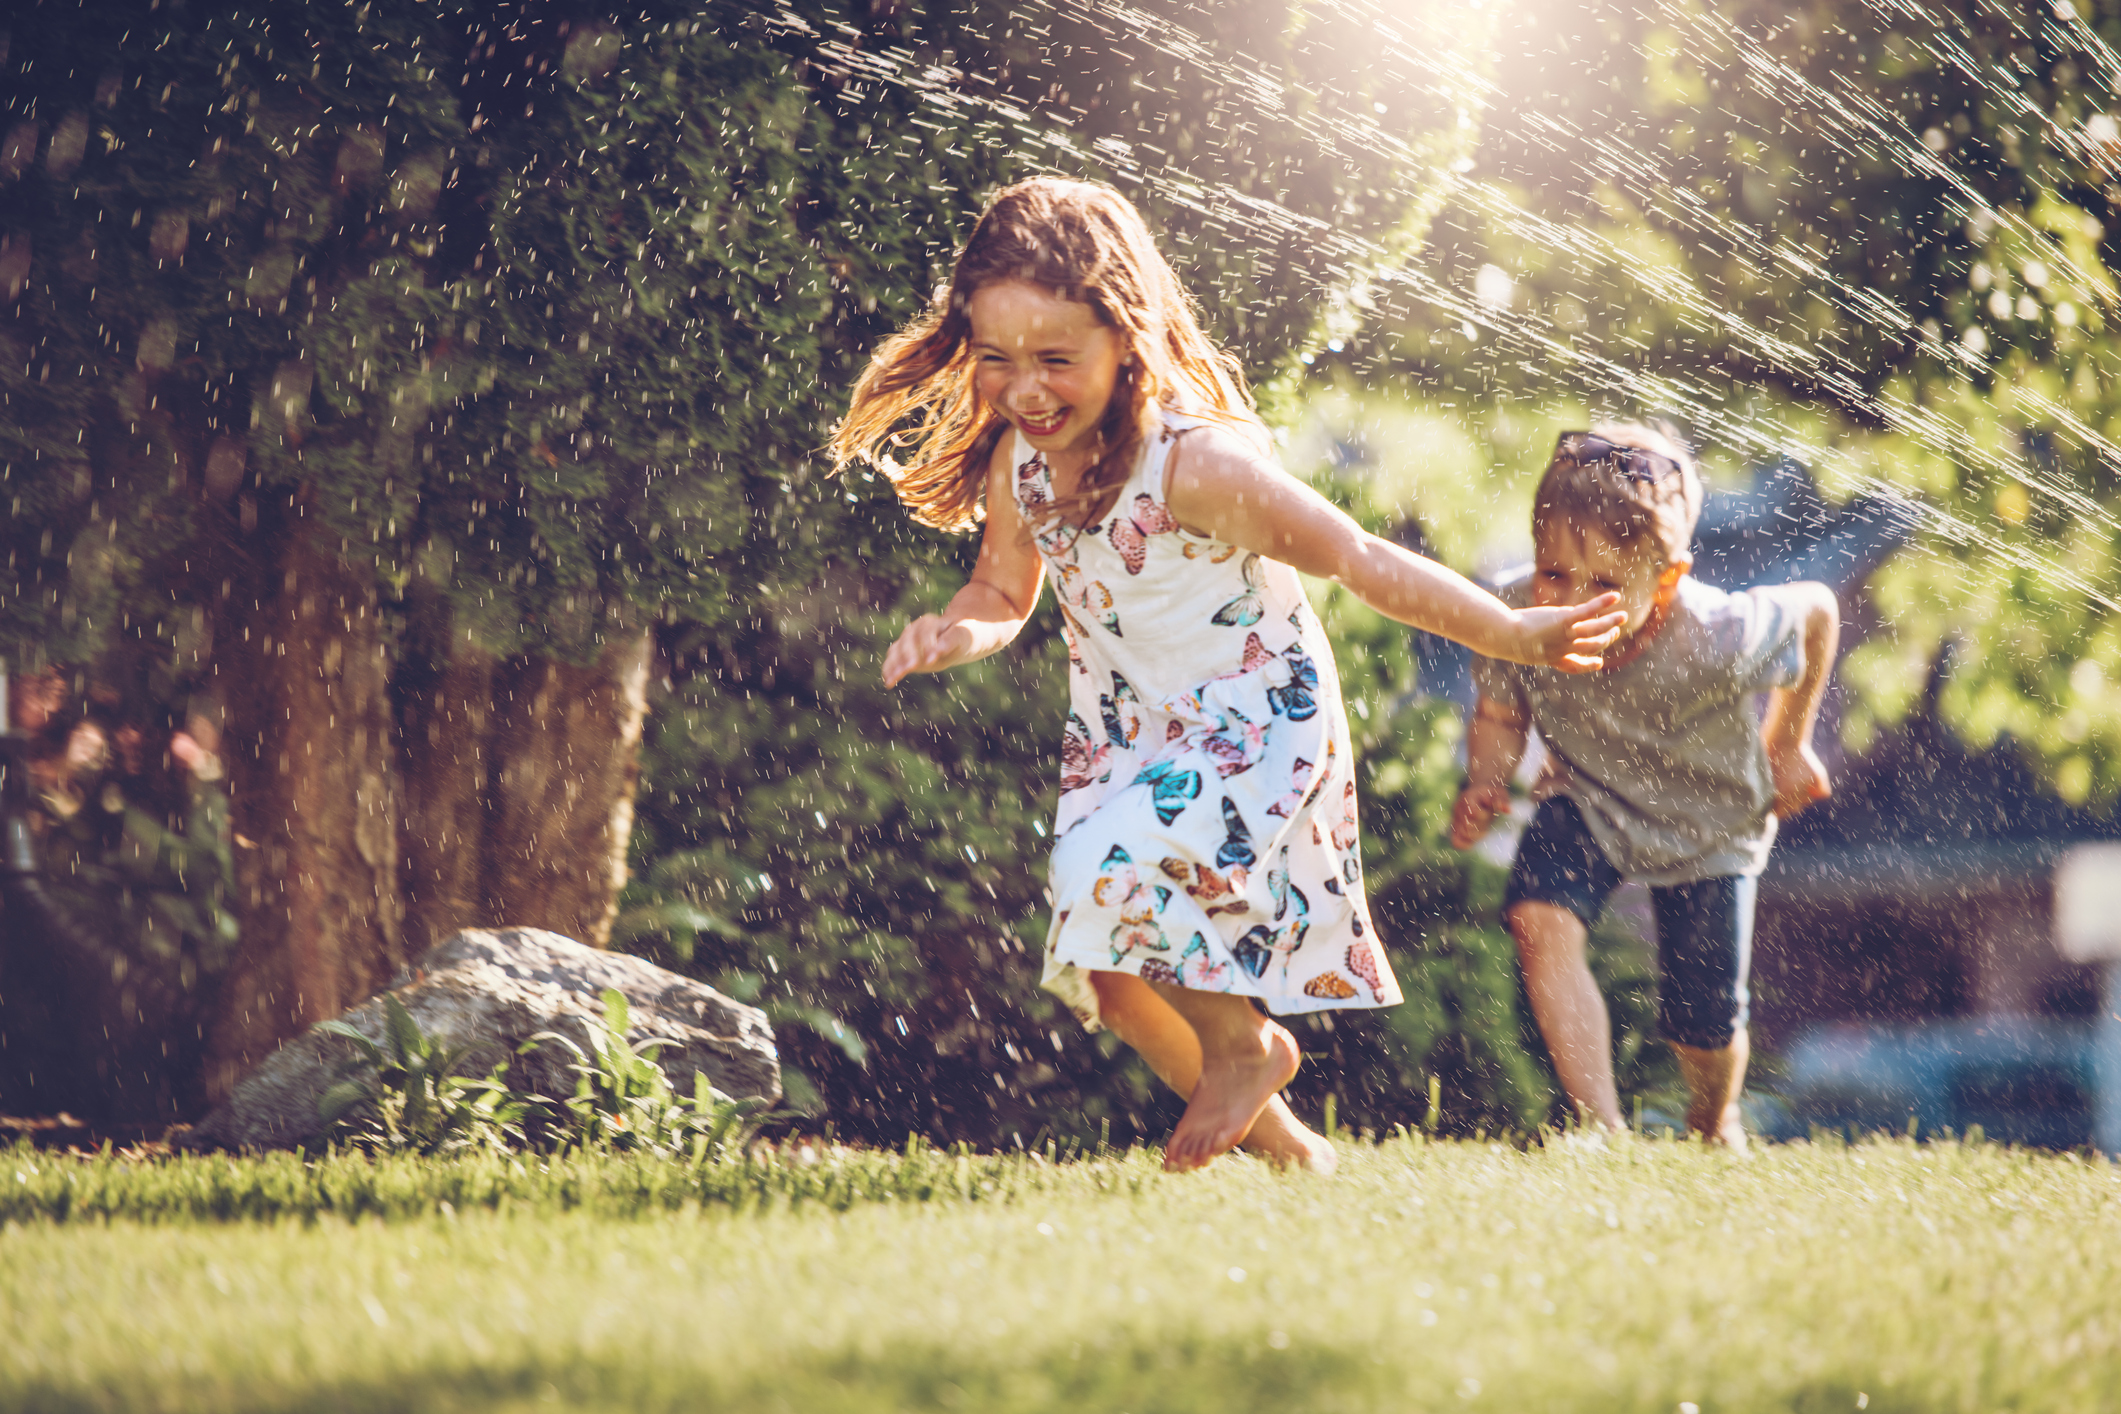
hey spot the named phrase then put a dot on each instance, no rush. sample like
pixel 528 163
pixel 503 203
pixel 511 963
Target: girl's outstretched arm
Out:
pixel 986 615
pixel 1222 487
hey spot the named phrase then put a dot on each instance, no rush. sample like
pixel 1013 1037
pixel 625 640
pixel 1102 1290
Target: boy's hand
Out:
pixel 1573 637
pixel 1800 777
pixel 1477 807
pixel 929 644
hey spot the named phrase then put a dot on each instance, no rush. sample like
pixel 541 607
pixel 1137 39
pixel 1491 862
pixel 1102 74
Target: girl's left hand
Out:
pixel 929 644
pixel 1573 637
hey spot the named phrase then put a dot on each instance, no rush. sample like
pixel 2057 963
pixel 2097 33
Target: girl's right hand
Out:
pixel 929 644
pixel 1573 637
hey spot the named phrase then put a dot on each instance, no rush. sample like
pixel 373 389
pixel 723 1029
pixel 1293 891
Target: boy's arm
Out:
pixel 987 614
pixel 1800 777
pixel 1223 488
pixel 1495 742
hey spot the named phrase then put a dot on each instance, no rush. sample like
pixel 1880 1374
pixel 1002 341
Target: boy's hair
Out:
pixel 1631 501
pixel 1081 241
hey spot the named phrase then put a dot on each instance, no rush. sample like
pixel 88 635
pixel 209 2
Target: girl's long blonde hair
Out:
pixel 1085 242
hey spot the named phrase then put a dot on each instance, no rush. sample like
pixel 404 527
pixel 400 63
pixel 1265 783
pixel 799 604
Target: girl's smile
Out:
pixel 1046 364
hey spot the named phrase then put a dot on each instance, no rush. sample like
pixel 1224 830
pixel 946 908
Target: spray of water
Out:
pixel 1371 278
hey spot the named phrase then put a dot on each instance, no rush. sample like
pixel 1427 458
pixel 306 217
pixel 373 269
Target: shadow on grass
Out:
pixel 1187 1376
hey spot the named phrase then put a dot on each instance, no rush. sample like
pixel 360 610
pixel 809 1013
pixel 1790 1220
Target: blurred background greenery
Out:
pixel 554 378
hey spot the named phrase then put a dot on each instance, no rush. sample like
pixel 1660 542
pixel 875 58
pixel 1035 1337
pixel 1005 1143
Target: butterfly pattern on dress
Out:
pixel 1116 732
pixel 1254 951
pixel 1362 962
pixel 1344 833
pixel 1171 786
pixel 1030 489
pixel 1175 883
pixel 1249 607
pixel 1075 645
pixel 1138 902
pixel 1299 785
pixel 1266 944
pixel 1155 969
pixel 1285 894
pixel 1082 765
pixel 1236 745
pixel 1201 970
pixel 1236 848
pixel 1331 986
pixel 1130 531
pixel 1075 588
pixel 1297 699
pixel 1126 710
pixel 1217 893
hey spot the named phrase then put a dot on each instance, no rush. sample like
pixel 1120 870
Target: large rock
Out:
pixel 490 991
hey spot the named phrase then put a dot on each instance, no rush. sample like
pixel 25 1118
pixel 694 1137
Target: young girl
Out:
pixel 1206 852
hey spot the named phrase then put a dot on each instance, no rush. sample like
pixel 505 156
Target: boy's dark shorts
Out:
pixel 1704 929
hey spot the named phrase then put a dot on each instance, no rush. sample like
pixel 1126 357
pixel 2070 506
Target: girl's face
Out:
pixel 1046 364
pixel 1573 565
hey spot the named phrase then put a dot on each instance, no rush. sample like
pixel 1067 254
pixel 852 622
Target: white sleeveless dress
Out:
pixel 1206 834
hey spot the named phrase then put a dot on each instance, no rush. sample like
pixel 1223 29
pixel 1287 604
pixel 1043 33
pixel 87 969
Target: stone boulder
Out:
pixel 490 991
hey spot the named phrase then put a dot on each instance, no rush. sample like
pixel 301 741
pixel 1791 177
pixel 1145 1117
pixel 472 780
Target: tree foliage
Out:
pixel 1880 236
pixel 369 368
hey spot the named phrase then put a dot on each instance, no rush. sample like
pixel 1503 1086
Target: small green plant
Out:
pixel 623 1099
pixel 413 1100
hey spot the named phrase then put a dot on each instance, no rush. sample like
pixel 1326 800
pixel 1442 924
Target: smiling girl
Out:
pixel 1206 859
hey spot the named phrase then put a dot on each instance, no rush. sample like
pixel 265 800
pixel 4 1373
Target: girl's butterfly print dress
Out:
pixel 1206 835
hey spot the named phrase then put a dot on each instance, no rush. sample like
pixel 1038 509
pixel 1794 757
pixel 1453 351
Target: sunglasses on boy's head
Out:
pixel 1634 463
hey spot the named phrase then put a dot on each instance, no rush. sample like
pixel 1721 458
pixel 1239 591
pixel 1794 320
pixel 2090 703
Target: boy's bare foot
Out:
pixel 1714 1081
pixel 1228 1100
pixel 1726 1129
pixel 1280 1137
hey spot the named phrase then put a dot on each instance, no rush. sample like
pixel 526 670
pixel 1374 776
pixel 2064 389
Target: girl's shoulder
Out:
pixel 1206 445
pixel 1233 430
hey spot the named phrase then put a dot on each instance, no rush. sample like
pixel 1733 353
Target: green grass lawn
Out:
pixel 1645 1276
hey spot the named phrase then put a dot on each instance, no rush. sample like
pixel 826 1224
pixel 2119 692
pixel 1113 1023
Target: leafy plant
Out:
pixel 414 1100
pixel 624 1100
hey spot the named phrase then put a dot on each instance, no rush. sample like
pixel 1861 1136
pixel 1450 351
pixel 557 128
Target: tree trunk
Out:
pixel 314 798
pixel 498 792
pixel 446 725
pixel 520 778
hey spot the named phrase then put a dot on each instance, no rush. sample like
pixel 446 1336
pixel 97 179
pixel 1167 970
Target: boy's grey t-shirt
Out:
pixel 1663 755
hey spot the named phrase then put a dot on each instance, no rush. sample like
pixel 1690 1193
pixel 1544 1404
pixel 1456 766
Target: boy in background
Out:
pixel 1659 770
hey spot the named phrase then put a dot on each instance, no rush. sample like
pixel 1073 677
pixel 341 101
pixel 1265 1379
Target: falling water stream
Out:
pixel 1390 280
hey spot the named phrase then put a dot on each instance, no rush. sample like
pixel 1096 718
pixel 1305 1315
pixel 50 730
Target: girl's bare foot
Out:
pixel 1234 1088
pixel 1280 1137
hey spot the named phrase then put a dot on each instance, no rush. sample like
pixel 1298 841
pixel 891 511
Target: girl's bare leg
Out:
pixel 1135 1013
pixel 1245 1060
pixel 1571 1013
